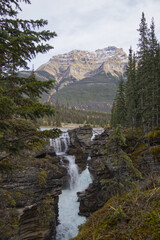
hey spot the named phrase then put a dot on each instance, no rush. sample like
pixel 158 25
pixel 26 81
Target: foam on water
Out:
pixel 69 220
pixel 68 205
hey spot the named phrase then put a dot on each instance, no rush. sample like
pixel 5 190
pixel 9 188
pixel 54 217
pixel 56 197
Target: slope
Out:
pixel 94 93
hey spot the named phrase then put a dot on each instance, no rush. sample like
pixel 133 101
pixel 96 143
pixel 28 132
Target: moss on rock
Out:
pixel 134 215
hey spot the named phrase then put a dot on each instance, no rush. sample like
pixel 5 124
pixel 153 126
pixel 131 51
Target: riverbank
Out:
pixel 68 126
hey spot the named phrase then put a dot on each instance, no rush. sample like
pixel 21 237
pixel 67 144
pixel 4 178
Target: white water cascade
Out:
pixel 61 144
pixel 69 220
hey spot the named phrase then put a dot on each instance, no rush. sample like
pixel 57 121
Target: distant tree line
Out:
pixel 137 102
pixel 66 114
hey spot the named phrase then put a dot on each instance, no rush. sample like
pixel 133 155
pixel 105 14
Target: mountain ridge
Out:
pixel 80 64
pixel 84 79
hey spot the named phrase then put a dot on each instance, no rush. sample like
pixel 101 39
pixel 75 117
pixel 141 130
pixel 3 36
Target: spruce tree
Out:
pixel 114 114
pixel 143 83
pixel 121 104
pixel 118 113
pixel 157 82
pixel 142 70
pixel 132 103
pixel 19 105
pixel 147 73
pixel 153 74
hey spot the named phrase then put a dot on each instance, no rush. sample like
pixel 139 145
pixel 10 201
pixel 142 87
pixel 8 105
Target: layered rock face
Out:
pixel 77 65
pixel 32 193
pixel 115 171
pixel 80 145
pixel 94 197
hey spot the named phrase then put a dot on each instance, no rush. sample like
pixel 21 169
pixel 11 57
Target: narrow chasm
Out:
pixel 75 181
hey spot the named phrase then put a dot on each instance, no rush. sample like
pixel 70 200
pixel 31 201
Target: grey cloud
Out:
pixel 92 24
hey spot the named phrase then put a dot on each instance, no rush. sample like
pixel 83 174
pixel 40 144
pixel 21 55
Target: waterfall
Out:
pixel 69 220
pixel 72 171
pixel 95 132
pixel 60 144
pixel 68 205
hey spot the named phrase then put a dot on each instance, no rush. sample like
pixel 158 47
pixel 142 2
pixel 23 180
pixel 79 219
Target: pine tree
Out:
pixel 118 114
pixel 157 93
pixel 132 103
pixel 114 117
pixel 147 73
pixel 19 105
pixel 143 72
pixel 121 104
pixel 143 83
pixel 153 74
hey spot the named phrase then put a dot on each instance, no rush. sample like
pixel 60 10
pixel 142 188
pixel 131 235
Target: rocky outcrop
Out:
pixel 48 150
pixel 94 197
pixel 80 145
pixel 33 194
pixel 115 171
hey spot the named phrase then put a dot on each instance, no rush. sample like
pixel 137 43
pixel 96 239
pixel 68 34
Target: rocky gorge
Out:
pixel 125 190
pixel 29 198
pixel 29 195
pixel 29 192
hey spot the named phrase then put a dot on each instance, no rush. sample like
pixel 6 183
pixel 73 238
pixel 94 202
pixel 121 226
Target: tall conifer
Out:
pixel 153 74
pixel 131 91
pixel 19 105
pixel 142 70
pixel 143 81
pixel 118 114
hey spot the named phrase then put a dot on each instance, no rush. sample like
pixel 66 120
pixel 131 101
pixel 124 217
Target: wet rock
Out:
pixel 80 145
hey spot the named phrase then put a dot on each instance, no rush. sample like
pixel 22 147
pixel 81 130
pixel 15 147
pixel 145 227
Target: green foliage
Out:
pixel 133 215
pixel 46 210
pixel 118 115
pixel 66 114
pixel 121 162
pixel 141 107
pixel 129 164
pixel 118 136
pixel 132 91
pixel 6 199
pixel 156 152
pixel 116 139
pixel 109 183
pixel 20 109
pixel 7 166
pixel 42 176
pixel 94 93
pixel 153 134
pixel 8 214
pixel 8 223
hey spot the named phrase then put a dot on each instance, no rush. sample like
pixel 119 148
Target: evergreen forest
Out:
pixel 66 115
pixel 137 101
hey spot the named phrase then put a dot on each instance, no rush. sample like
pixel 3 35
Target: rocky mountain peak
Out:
pixel 80 64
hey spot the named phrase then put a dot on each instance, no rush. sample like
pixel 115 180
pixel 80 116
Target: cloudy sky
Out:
pixel 91 24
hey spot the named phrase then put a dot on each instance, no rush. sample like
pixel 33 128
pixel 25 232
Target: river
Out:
pixel 69 220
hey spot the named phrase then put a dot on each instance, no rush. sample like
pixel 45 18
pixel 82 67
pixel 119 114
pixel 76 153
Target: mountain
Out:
pixel 86 80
